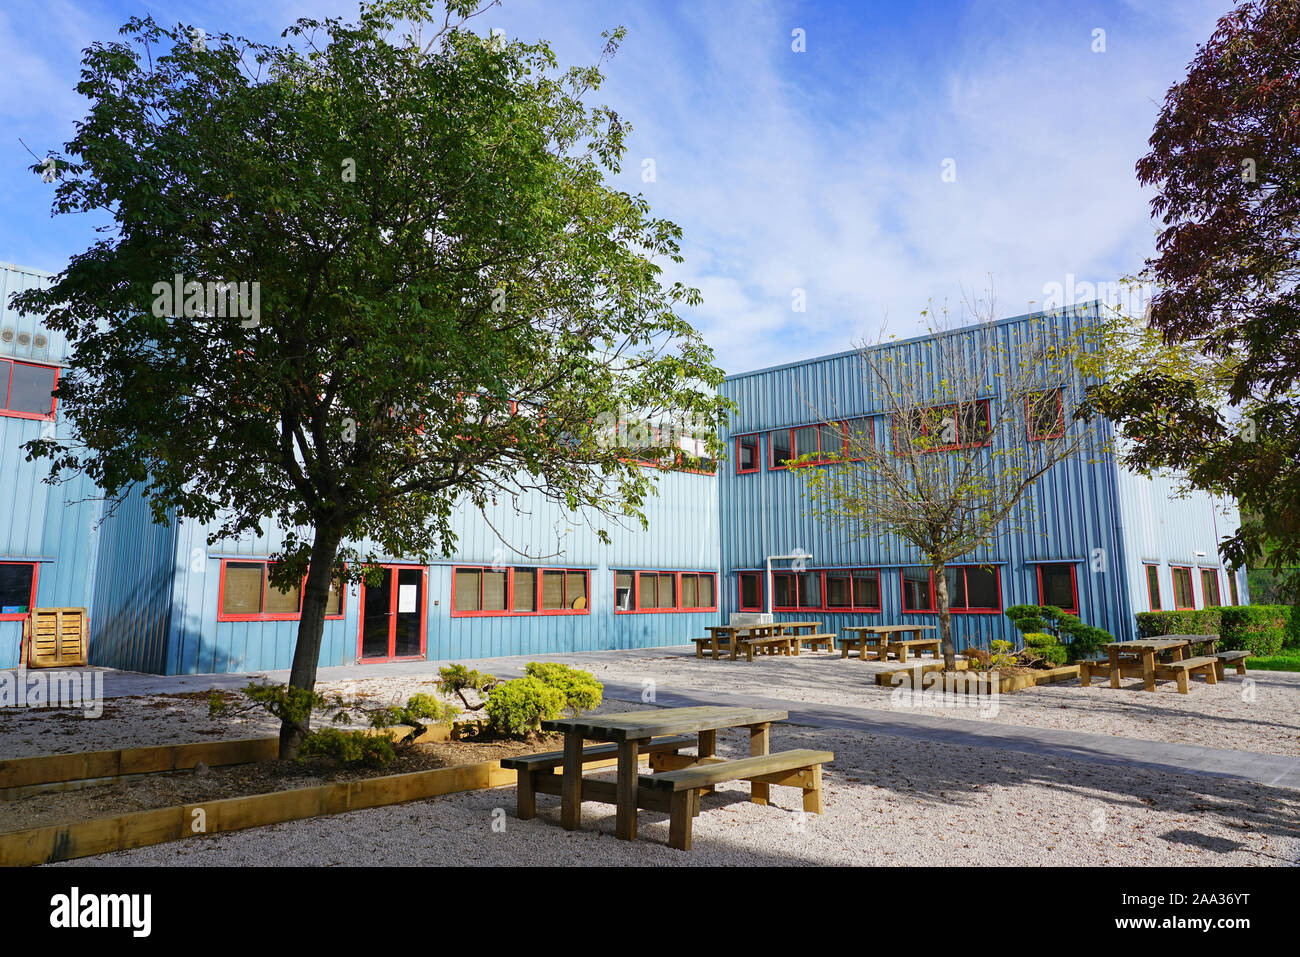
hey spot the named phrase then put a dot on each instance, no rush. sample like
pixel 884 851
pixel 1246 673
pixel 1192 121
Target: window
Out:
pixel 17 589
pixel 794 590
pixel 485 590
pixel 974 588
pixel 824 442
pixel 866 590
pixel 971 588
pixel 858 434
pixel 1058 586
pixel 1184 597
pixel 1232 585
pixel 654 591
pixel 1210 588
pixel 746 454
pixel 944 427
pixel 838 591
pixel 778 448
pixel 25 389
pixel 918 590
pixel 1045 414
pixel 1153 586
pixel 751 591
pixel 246 594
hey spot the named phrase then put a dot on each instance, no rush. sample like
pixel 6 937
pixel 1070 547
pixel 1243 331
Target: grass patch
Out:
pixel 1288 659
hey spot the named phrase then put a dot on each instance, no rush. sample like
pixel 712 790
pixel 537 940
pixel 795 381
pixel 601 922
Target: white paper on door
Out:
pixel 407 596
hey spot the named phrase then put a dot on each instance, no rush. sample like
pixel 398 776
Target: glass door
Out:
pixel 392 615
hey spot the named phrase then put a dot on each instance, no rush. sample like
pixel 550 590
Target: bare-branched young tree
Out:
pixel 973 418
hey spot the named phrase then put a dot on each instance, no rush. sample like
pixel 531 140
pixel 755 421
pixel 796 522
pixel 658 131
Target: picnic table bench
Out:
pixel 630 732
pixel 536 772
pixel 1237 658
pixel 717 634
pixel 1139 659
pixel 881 638
pixel 799 768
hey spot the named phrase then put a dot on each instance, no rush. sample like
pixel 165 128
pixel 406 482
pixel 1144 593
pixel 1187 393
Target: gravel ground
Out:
pixel 1259 711
pixel 888 801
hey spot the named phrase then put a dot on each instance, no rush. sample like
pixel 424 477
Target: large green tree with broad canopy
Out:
pixel 436 292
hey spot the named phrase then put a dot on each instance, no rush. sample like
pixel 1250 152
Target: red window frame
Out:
pixel 771 463
pixel 1232 585
pixel 955 609
pixel 822 576
pixel 758 448
pixel 1153 598
pixel 740 591
pixel 1060 418
pixel 8 387
pixel 1073 609
pixel 1191 587
pixel 678 607
pixel 1213 575
pixel 510 610
pixel 264 616
pixel 31 599
pixel 988 419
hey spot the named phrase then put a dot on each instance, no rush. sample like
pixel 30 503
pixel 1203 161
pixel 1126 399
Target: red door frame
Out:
pixel 392 622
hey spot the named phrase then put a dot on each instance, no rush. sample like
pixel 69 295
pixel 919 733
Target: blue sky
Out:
pixel 819 171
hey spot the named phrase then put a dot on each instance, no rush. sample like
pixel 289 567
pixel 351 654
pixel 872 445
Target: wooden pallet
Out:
pixel 55 637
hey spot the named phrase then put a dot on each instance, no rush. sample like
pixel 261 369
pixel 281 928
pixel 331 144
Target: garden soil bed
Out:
pixel 146 792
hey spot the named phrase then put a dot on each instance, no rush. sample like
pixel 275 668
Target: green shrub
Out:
pixel 1205 621
pixel 1259 629
pixel 517 708
pixel 457 679
pixel 1080 639
pixel 582 692
pixel 1028 619
pixel 348 747
pixel 1087 642
pixel 1056 654
pixel 1040 639
pixel 1292 639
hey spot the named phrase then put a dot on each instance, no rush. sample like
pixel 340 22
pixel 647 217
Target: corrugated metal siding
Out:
pixel 1165 525
pixel 1067 517
pixel 54 525
pixel 682 536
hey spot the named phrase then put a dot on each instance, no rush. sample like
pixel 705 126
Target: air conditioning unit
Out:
pixel 746 618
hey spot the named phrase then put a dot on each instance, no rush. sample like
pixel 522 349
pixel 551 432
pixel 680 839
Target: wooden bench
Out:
pixel 815 642
pixel 919 644
pixel 1092 666
pixel 536 772
pixel 773 643
pixel 801 768
pixel 702 643
pixel 1230 657
pixel 1179 670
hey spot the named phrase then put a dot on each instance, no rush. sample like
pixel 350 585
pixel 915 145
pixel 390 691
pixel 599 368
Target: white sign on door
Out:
pixel 407 596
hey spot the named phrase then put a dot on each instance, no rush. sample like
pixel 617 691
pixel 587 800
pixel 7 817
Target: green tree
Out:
pixel 973 419
pixel 441 294
pixel 1225 166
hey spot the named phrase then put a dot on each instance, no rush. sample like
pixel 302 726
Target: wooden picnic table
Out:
pixel 794 627
pixel 1138 657
pixel 882 635
pixel 720 633
pixel 628 730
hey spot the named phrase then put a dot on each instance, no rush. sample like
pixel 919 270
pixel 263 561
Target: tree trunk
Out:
pixel 945 616
pixel 311 628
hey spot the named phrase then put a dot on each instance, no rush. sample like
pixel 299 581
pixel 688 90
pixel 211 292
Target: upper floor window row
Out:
pixel 26 389
pixel 938 428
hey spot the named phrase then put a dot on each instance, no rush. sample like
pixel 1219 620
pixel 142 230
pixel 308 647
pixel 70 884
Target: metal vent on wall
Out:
pixel 6 335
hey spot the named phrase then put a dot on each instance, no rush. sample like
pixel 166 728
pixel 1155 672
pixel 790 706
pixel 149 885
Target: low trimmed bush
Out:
pixel 1040 639
pixel 1259 629
pixel 516 709
pixel 581 690
pixel 1079 639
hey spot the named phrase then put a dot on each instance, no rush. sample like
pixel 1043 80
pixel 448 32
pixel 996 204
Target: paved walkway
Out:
pixel 1271 769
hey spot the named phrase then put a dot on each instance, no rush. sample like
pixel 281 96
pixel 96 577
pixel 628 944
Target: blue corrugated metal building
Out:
pixel 1091 533
pixel 161 599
